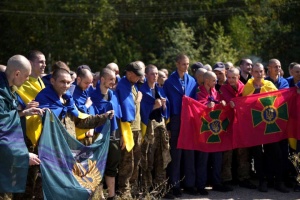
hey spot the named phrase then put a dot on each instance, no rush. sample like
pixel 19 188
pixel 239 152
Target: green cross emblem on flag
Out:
pixel 269 114
pixel 214 125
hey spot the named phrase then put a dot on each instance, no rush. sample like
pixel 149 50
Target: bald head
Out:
pixel 199 75
pixel 208 75
pixel 210 79
pixel 234 71
pixel 107 72
pixel 2 68
pixel 114 67
pixel 18 70
pixel 18 62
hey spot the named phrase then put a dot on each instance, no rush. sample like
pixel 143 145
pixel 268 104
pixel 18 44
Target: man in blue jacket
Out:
pixel 178 84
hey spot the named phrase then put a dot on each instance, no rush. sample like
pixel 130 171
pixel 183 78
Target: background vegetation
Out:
pixel 96 32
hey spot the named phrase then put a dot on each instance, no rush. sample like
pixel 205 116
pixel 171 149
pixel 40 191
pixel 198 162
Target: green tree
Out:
pixel 220 46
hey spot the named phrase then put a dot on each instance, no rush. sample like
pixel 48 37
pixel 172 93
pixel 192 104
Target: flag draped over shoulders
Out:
pixel 268 86
pixel 204 97
pixel 28 92
pixel 148 102
pixel 70 170
pixel 48 98
pixel 204 129
pixel 14 160
pixel 80 97
pixel 227 92
pixel 101 106
pixel 127 104
pixel 175 91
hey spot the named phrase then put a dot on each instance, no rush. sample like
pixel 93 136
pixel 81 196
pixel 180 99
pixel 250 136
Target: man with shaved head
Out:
pixel 233 87
pixel 209 96
pixel 274 68
pixel 15 158
pixel 199 75
pixel 295 78
pixel 176 86
pixel 104 99
pixel 268 158
pixel 115 68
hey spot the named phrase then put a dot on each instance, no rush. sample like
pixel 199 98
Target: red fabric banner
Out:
pixel 258 119
pixel 263 118
pixel 203 128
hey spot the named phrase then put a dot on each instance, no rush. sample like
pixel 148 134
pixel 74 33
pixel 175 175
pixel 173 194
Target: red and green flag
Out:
pixel 263 118
pixel 203 128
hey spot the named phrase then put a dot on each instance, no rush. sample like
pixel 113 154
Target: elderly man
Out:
pixel 15 158
pixel 267 157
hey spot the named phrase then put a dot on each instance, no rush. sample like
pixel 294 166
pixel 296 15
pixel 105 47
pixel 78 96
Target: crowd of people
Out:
pixel 145 111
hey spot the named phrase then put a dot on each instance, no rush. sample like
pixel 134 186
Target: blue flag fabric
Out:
pixel 101 106
pixel 126 100
pixel 80 96
pixel 148 102
pixel 48 98
pixel 69 169
pixel 14 160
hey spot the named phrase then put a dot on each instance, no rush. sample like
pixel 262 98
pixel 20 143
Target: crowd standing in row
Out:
pixel 146 101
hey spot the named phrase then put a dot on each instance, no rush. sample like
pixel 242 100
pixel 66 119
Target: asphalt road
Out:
pixel 245 194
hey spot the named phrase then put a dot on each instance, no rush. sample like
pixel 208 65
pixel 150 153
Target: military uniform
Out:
pixel 155 155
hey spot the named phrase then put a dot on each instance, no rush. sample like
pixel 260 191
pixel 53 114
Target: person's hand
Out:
pixel 122 143
pixel 223 103
pixel 34 159
pixel 232 105
pixel 33 111
pixel 211 104
pixel 109 114
pixel 157 104
pixel 163 102
pixel 88 102
pixel 90 133
pixel 139 97
pixel 32 104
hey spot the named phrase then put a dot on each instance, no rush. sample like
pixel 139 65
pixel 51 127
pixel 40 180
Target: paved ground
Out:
pixel 245 194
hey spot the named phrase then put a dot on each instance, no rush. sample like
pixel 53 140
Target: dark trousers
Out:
pixel 268 161
pixel 202 165
pixel 173 169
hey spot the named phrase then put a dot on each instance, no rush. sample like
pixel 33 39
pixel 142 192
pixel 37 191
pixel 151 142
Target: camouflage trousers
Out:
pixel 129 166
pixel 155 158
pixel 243 164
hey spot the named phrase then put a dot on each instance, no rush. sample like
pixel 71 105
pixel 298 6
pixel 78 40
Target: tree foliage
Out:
pixel 101 31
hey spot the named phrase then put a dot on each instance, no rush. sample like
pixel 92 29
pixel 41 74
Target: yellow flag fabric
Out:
pixel 80 133
pixel 127 135
pixel 28 92
pixel 30 89
pixel 268 86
